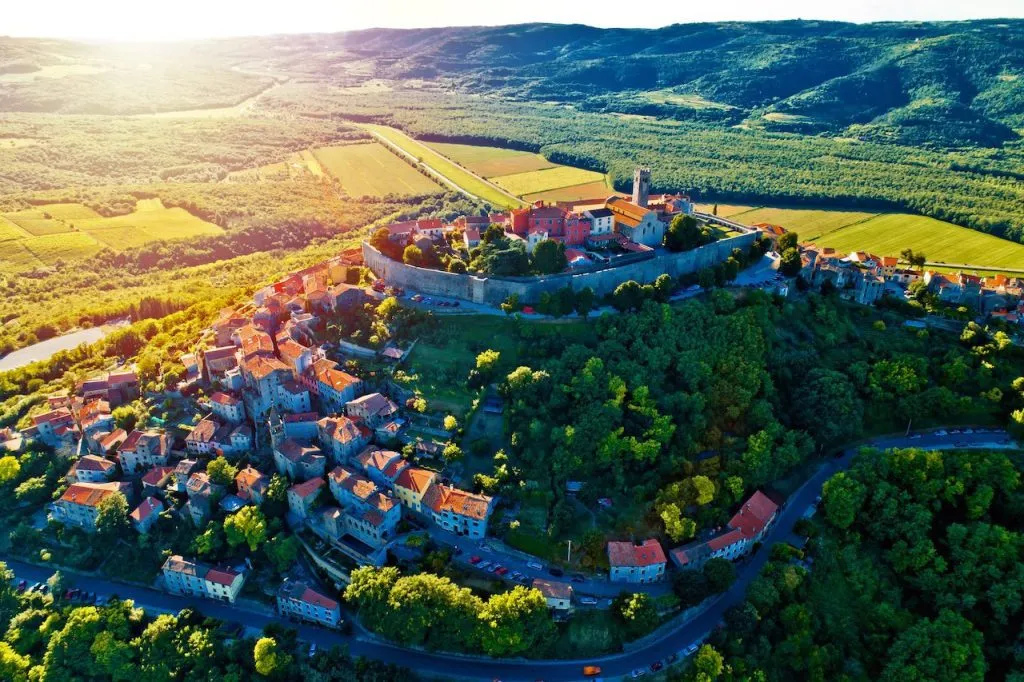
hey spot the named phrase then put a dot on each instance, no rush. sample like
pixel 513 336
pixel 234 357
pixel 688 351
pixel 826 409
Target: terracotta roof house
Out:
pixel 636 563
pixel 557 594
pixel 297 461
pixel 411 485
pixel 251 484
pixel 342 437
pixel 145 515
pixel 297 600
pixel 192 578
pixel 458 511
pixel 302 496
pixel 79 505
pixel 156 479
pixel 372 409
pixel 744 529
pixel 92 469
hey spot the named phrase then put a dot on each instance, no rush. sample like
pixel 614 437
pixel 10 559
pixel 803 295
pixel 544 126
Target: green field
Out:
pixel 532 182
pixel 30 239
pixel 885 234
pixel 489 162
pixel 372 170
pixel 443 165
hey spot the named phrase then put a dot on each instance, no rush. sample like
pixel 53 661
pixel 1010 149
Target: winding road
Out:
pixel 670 639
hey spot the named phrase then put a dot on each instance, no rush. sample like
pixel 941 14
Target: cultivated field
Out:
pixel 443 165
pixel 372 170
pixel 589 190
pixel 534 182
pixel 885 234
pixel 42 235
pixel 490 162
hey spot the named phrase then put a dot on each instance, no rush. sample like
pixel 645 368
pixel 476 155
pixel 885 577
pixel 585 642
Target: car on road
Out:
pixel 501 571
pixel 691 650
pixel 968 431
pixel 588 601
pixel 638 672
pixel 22 585
pixel 493 568
pixel 656 666
pixel 534 565
pixel 578 578
pixel 557 572
pixel 416 298
pixel 940 432
pixel 591 670
pixel 918 435
pixel 955 431
pixel 474 559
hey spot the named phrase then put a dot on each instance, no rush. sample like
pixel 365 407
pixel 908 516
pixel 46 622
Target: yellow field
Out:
pixel 458 175
pixel 808 223
pixel 490 162
pixel 373 170
pixel 543 180
pixel 72 231
pixel 590 190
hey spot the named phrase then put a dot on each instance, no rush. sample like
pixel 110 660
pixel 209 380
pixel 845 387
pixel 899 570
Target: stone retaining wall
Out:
pixel 602 279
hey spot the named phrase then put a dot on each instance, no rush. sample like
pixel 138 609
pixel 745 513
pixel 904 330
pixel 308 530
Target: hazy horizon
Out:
pixel 121 21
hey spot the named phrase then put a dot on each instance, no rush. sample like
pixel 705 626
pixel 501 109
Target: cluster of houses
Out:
pixel 634 224
pixel 645 562
pixel 865 277
pixel 84 419
pixel 328 435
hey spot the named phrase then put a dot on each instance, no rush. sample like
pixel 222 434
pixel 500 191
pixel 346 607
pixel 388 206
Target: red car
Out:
pixel 502 571
pixel 474 560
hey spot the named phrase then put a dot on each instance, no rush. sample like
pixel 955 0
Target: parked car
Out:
pixel 474 560
pixel 940 432
pixel 968 431
pixel 312 649
pixel 494 568
pixel 22 585
pixel 691 650
pixel 483 564
pixel 591 670
pixel 656 666
pixel 44 588
pixel 534 565
pixel 501 571
pixel 557 572
pixel 578 578
pixel 638 672
pixel 588 601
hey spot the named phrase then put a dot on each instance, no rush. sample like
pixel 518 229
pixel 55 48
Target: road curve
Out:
pixel 671 639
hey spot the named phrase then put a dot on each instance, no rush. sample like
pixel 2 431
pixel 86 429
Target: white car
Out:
pixel 940 432
pixel 535 566
pixel 588 601
pixel 639 672
pixel 691 650
pixel 968 430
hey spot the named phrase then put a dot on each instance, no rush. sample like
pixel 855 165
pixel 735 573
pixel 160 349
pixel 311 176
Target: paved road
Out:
pixel 671 639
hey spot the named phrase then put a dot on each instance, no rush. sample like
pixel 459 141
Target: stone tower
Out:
pixel 276 425
pixel 641 186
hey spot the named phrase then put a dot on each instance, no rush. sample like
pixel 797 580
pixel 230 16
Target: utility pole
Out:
pixel 909 422
pixel 568 555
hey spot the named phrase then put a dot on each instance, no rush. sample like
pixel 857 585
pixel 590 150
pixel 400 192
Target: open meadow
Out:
pixel 885 234
pixel 372 170
pixel 44 234
pixel 490 162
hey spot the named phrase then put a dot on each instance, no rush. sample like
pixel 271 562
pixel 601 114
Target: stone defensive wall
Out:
pixel 602 278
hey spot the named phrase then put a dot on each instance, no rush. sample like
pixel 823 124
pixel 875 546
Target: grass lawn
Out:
pixel 69 246
pixel 372 170
pixel 10 231
pixel 808 224
pixel 69 212
pixel 489 162
pixel 589 633
pixel 443 165
pixel 543 180
pixel 442 363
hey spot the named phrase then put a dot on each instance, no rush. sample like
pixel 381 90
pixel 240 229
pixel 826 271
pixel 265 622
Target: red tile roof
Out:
pixel 310 487
pixel 149 506
pixel 222 398
pixel 725 539
pixel 327 372
pixel 222 576
pixel 415 479
pixel 754 515
pixel 442 498
pixel 648 553
pixel 155 475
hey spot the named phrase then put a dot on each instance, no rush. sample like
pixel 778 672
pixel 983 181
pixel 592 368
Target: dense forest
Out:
pixel 916 575
pixel 695 406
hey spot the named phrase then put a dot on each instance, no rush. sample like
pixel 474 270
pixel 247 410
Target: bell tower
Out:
pixel 641 186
